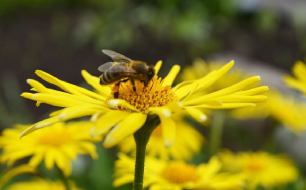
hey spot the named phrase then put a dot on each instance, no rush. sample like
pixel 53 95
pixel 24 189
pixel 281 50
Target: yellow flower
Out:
pixel 284 108
pixel 299 82
pixel 118 118
pixel 182 148
pixel 40 184
pixel 57 145
pixel 177 175
pixel 260 168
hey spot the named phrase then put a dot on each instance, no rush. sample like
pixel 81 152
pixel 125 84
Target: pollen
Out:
pixel 142 96
pixel 180 172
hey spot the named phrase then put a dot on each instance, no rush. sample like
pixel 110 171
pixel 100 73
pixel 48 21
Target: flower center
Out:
pixel 142 96
pixel 55 138
pixel 254 165
pixel 180 172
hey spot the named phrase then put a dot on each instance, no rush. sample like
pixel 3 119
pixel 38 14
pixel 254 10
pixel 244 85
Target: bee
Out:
pixel 123 68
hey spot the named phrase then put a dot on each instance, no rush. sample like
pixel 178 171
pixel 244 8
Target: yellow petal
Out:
pixel 213 76
pixel 90 148
pixel 62 115
pixel 185 89
pixel 95 83
pixel 62 163
pixel 74 89
pixel 168 80
pixel 37 86
pixel 115 103
pixel 168 130
pixel 220 94
pixel 59 101
pixel 292 82
pixel 49 159
pixel 125 128
pixel 225 105
pixel 107 121
pixel 76 112
pixel 158 66
pixel 15 172
pixel 36 159
pixel 167 124
pixel 253 91
pixel 38 125
pixel 197 114
pixel 234 88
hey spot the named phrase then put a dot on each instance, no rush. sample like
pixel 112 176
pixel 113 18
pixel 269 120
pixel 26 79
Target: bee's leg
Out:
pixel 133 84
pixel 116 90
pixel 146 82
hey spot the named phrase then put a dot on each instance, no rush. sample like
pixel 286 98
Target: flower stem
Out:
pixel 216 132
pixel 141 139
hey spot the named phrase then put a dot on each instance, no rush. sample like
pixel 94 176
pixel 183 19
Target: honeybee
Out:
pixel 123 68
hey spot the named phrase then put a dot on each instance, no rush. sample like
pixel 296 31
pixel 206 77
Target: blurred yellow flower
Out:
pixel 57 145
pixel 260 168
pixel 299 80
pixel 284 108
pixel 118 118
pixel 40 184
pixel 182 148
pixel 178 175
pixel 288 111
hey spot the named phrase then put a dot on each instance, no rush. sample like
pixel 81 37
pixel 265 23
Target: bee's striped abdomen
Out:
pixel 105 78
pixel 112 75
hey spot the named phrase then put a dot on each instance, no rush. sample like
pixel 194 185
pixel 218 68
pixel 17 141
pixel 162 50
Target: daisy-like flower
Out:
pixel 260 168
pixel 120 116
pixel 293 118
pixel 57 145
pixel 178 175
pixel 182 148
pixel 40 184
pixel 299 80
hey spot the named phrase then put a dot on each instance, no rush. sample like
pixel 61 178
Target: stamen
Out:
pixel 142 96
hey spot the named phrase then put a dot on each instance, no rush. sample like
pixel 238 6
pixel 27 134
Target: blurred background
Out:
pixel 64 36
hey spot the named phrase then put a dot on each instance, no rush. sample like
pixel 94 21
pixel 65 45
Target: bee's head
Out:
pixel 151 72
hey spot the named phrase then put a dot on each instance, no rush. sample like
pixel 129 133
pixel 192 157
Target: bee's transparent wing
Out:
pixel 105 66
pixel 116 56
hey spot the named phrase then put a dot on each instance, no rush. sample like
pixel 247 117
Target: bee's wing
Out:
pixel 105 66
pixel 116 56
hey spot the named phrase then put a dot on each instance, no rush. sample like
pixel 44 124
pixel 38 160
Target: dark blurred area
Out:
pixel 64 36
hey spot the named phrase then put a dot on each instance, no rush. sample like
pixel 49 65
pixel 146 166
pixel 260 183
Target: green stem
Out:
pixel 216 132
pixel 141 139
